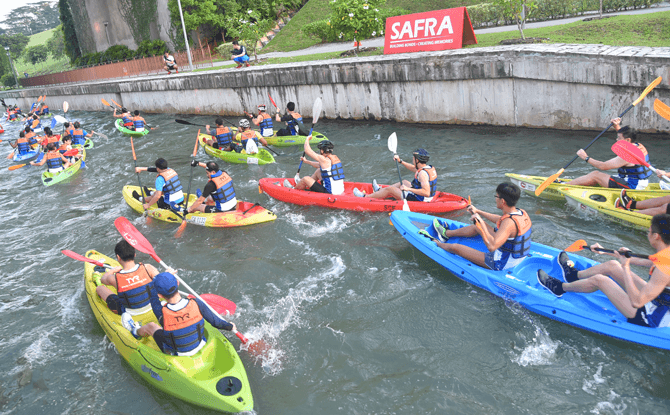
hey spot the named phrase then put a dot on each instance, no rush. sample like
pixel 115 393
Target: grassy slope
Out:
pixel 51 65
pixel 291 36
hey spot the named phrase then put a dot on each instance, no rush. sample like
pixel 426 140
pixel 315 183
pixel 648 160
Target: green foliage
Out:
pixel 356 19
pixel 8 80
pixel 247 26
pixel 36 54
pixel 322 30
pixel 138 14
pixel 520 10
pixel 151 48
pixel 32 18
pixel 72 49
pixel 16 43
pixel 116 53
pixel 198 13
pixel 56 43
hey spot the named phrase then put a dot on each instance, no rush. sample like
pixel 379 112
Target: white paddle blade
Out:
pixel 316 110
pixel 66 106
pixel 393 142
pixel 405 206
pixel 60 119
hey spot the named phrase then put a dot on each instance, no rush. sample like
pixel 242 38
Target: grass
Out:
pixel 49 66
pixel 638 30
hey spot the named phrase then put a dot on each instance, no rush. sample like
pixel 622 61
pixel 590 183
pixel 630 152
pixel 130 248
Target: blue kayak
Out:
pixel 26 156
pixel 593 312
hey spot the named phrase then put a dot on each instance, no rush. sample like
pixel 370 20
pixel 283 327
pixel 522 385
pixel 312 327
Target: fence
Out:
pixel 137 67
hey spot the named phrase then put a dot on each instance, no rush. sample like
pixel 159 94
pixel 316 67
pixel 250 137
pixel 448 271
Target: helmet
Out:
pixel 244 123
pixel 421 155
pixel 124 109
pixel 261 107
pixel 325 145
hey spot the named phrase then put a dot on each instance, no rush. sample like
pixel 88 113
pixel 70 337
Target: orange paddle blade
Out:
pixel 662 260
pixel 662 109
pixel 116 103
pixel 577 246
pixel 180 229
pixel 105 102
pixel 547 182
pixel 18 166
pixel 648 89
pixel 132 146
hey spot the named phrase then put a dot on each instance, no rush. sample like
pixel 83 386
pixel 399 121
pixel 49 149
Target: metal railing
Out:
pixel 137 67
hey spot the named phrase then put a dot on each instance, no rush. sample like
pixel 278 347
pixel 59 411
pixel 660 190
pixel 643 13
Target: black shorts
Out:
pixel 114 304
pixel 411 197
pixel 640 317
pixel 617 183
pixel 284 132
pixel 318 187
pixel 161 341
pixel 667 208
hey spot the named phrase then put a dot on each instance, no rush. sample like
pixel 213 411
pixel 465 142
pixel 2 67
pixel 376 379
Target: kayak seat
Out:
pixel 532 264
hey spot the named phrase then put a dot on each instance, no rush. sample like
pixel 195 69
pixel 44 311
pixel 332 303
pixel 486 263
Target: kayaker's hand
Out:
pixel 234 327
pixel 660 173
pixel 194 163
pixel 397 158
pixel 146 206
pixel 582 154
pixel 473 210
pixel 137 170
pixel 616 121
pixel 476 218
pixel 595 247
pixel 172 271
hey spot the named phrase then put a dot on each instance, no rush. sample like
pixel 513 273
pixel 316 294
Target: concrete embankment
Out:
pixel 544 86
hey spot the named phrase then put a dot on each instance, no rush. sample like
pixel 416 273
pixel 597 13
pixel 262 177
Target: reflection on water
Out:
pixel 357 320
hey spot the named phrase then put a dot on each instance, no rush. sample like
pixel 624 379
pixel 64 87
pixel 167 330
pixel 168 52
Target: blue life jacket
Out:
pixel 293 123
pixel 224 188
pixel 184 329
pixel 127 122
pixel 266 124
pixel 432 180
pixel 172 183
pixel 138 124
pixel 54 160
pixel 135 288
pixel 635 173
pixel 78 137
pixel 223 136
pixel 23 145
pixel 519 246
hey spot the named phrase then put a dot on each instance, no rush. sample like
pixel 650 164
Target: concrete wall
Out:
pixel 548 86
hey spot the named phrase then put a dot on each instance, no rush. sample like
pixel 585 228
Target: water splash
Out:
pixel 335 223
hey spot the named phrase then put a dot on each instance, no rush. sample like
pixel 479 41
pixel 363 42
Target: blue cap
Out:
pixel 166 284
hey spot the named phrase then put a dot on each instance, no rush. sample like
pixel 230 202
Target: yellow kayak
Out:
pixel 245 214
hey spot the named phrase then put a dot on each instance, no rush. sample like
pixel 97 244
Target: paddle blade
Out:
pixel 132 147
pixel 183 122
pixel 82 258
pixel 134 237
pixel 648 89
pixel 392 142
pixel 221 305
pixel 576 246
pixel 273 101
pixel 180 230
pixel 104 102
pixel 116 103
pixel 629 152
pixel 66 106
pixel 405 205
pixel 17 166
pixel 71 153
pixel 547 182
pixel 316 111
pixel 59 119
pixel 662 260
pixel 662 109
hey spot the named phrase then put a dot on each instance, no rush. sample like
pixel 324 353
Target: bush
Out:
pixel 7 80
pixel 320 29
pixel 116 53
pixel 151 48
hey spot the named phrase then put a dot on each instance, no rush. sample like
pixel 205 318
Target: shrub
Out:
pixel 116 53
pixel 320 29
pixel 7 80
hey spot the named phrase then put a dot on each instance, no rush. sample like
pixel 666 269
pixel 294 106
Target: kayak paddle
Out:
pixel 273 102
pixel 144 197
pixel 66 106
pixel 137 240
pixel 116 103
pixel 221 305
pixel 661 258
pixel 392 143
pixel 632 154
pixel 316 111
pixel 662 109
pixel 16 166
pixel 553 177
pixel 188 123
pixel 182 226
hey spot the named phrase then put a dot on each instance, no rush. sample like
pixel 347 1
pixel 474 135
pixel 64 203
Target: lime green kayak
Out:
pixel 213 378
pixel 49 179
pixel 528 184
pixel 132 133
pixel 88 144
pixel 290 140
pixel 262 157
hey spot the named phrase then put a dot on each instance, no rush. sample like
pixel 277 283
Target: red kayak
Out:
pixel 273 187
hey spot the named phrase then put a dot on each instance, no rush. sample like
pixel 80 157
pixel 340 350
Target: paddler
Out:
pixel 292 120
pixel 421 189
pixel 132 282
pixel 125 117
pixel 68 129
pixel 183 320
pixel 328 170
pixel 168 194
pixel 42 109
pixel 645 303
pixel 222 137
pixel 79 135
pixel 219 189
pixel 49 137
pixel 508 243
pixel 34 124
pixel 245 133
pixel 24 143
pixel 55 161
pixel 138 122
pixel 263 120
pixel 652 206
pixel 631 176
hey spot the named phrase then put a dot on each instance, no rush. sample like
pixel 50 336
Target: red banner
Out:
pixel 436 30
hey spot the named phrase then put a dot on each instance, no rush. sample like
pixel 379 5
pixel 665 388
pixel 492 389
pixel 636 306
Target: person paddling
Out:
pixel 79 135
pixel 329 170
pixel 126 117
pixel 421 189
pixel 222 137
pixel 645 303
pixel 68 129
pixel 292 120
pixel 168 194
pixel 49 137
pixel 508 244
pixel 24 143
pixel 219 189
pixel 631 176
pixel 139 124
pixel 55 161
pixel 42 109
pixel 133 283
pixel 245 133
pixel 182 320
pixel 264 121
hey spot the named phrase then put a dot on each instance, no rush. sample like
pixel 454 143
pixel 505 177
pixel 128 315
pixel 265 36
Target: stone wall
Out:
pixel 544 86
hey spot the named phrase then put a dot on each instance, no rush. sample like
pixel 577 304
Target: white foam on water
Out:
pixel 333 224
pixel 540 349
pixel 40 352
pixel 286 312
pixel 590 385
pixel 70 310
pixel 614 405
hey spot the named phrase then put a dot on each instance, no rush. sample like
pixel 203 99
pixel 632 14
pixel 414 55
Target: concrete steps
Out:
pixel 272 33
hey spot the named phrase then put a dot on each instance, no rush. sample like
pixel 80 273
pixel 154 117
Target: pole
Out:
pixel 11 63
pixel 188 50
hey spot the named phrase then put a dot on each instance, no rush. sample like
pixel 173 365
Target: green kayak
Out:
pixel 290 140
pixel 89 144
pixel 49 179
pixel 262 157
pixel 132 133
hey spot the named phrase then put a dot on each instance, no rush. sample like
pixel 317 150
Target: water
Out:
pixel 359 321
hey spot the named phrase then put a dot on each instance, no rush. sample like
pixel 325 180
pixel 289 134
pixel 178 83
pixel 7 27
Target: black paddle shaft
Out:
pixel 599 135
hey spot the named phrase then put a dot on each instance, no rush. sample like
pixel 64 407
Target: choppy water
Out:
pixel 358 320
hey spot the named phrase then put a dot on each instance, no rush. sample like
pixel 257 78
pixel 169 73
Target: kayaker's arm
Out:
pixel 213 319
pixel 310 162
pixel 425 186
pixel 613 163
pixel 108 277
pixel 261 139
pixel 642 262
pixel 405 164
pixel 199 201
pixel 310 152
pixel 507 230
pixel 639 297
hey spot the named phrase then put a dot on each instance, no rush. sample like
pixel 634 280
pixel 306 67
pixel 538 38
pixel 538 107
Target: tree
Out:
pixel 36 54
pixel 56 43
pixel 15 42
pixel 356 19
pixel 249 28
pixel 519 10
pixel 32 18
pixel 203 14
pixel 72 49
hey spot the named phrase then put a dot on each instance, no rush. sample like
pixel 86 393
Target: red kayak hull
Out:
pixel 273 187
